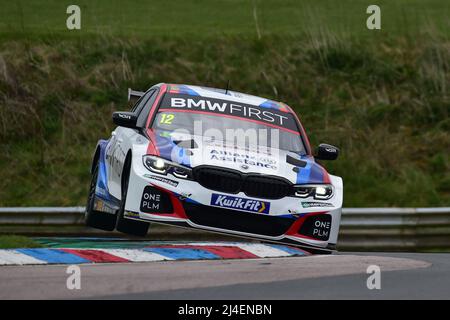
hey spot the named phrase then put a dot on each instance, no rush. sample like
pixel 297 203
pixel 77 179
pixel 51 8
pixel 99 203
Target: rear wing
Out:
pixel 134 95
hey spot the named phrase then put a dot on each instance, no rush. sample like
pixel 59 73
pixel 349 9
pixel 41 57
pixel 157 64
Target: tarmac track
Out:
pixel 341 276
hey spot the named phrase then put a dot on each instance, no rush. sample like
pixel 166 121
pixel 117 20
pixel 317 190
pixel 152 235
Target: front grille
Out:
pixel 219 179
pixel 265 187
pixel 236 220
pixel 232 181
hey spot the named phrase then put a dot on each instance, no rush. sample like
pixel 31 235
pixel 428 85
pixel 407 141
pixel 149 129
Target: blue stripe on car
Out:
pixel 170 151
pixel 101 190
pixel 304 173
pixel 311 173
pixel 186 90
pixel 270 105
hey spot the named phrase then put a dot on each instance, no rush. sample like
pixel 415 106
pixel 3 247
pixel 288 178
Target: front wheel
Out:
pixel 129 226
pixel 93 218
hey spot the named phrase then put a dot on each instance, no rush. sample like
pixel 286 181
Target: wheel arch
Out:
pixel 99 152
pixel 126 166
pixel 95 158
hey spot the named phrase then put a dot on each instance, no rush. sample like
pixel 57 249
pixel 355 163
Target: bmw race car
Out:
pixel 215 160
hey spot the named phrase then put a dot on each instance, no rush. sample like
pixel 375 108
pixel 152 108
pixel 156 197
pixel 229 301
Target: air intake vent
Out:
pixel 236 220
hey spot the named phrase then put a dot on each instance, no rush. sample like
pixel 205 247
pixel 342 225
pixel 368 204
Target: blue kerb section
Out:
pixel 289 250
pixel 183 253
pixel 53 256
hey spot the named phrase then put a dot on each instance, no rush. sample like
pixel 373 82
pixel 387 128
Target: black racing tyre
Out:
pixel 316 251
pixel 129 226
pixel 97 219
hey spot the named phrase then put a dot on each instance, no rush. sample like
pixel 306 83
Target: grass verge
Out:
pixel 14 242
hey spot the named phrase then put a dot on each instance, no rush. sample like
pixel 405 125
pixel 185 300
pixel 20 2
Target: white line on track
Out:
pixel 11 257
pixel 136 255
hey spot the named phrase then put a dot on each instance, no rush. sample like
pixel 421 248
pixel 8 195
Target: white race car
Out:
pixel 214 160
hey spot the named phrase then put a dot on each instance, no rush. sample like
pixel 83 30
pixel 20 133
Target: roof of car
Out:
pixel 227 95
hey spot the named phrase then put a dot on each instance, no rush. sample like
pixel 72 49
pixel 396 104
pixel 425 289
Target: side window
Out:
pixel 145 108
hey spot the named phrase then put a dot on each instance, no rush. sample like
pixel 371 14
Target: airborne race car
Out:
pixel 214 160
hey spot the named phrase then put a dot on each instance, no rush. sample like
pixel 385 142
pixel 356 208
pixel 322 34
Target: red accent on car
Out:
pixel 178 210
pixel 152 147
pixel 295 227
pixel 302 131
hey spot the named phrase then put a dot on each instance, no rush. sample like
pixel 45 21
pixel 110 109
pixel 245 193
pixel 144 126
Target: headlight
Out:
pixel 319 191
pixel 163 166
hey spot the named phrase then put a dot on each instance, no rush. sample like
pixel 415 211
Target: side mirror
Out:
pixel 327 152
pixel 125 119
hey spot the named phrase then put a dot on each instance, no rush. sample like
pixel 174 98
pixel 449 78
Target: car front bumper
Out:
pixel 190 205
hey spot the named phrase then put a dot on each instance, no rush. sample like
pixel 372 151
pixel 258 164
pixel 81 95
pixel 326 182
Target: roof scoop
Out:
pixel 295 162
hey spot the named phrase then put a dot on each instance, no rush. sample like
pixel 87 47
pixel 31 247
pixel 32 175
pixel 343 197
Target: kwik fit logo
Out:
pixel 238 203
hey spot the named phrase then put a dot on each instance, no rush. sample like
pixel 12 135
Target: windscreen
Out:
pixel 229 121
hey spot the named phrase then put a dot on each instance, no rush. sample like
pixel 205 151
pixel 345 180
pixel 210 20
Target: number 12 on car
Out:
pixel 166 118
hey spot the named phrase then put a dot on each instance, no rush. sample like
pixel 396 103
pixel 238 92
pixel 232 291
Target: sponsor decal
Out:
pixel 238 203
pixel 310 204
pixel 151 201
pixel 100 205
pixel 155 201
pixel 243 158
pixel 317 227
pixel 124 116
pixel 171 182
pixel 225 107
pixel 184 195
pixel 131 214
pixel 213 144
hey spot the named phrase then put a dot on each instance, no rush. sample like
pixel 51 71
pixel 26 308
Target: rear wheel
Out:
pixel 129 226
pixel 93 218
